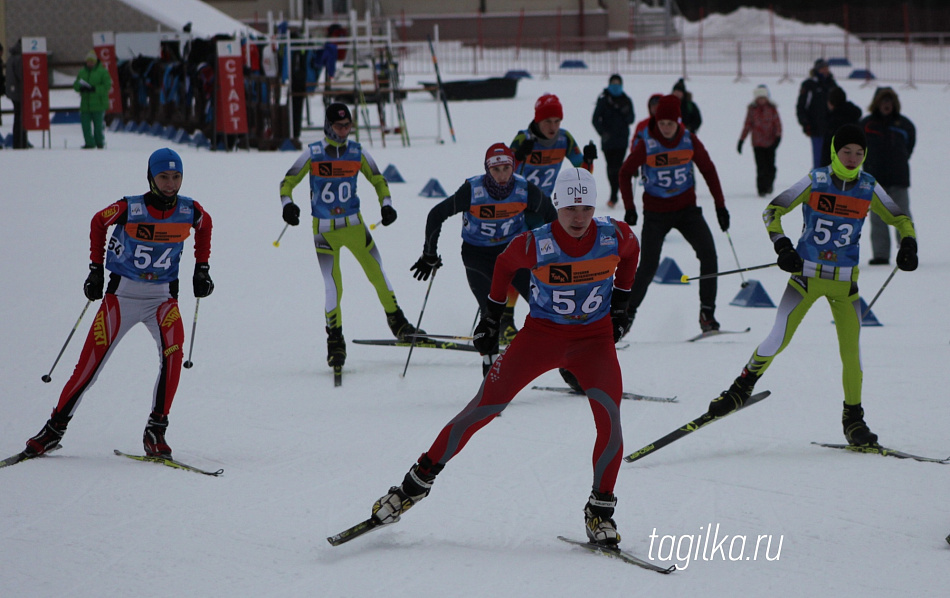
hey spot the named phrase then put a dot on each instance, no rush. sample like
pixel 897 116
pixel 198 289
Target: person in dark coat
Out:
pixel 812 108
pixel 612 118
pixel 14 83
pixel 3 84
pixel 692 118
pixel 891 139
pixel 841 112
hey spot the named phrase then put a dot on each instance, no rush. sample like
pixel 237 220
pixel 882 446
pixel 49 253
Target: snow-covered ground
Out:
pixel 304 460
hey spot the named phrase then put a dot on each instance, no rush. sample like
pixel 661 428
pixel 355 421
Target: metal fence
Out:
pixel 885 59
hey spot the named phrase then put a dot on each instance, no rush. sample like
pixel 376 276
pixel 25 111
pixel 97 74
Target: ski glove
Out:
pixel 85 85
pixel 618 313
pixel 485 338
pixel 788 258
pixel 630 216
pixel 778 140
pixel 201 281
pixel 388 214
pixel 524 150
pixel 425 265
pixel 590 152
pixel 722 215
pixel 92 288
pixel 907 254
pixel 292 214
pixel 739 147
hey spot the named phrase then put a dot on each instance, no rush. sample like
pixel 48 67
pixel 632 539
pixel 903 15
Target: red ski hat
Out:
pixel 668 108
pixel 548 106
pixel 499 154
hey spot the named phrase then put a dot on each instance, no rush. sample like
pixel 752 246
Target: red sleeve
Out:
pixel 100 226
pixel 520 253
pixel 202 225
pixel 708 170
pixel 629 251
pixel 635 160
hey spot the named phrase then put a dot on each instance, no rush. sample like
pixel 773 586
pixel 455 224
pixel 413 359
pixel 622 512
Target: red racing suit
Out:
pixel 585 348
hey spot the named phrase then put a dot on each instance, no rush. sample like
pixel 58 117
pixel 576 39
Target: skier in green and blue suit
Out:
pixel 835 201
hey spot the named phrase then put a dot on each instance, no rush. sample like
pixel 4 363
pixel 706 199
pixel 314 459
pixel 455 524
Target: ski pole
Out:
pixel 280 236
pixel 374 225
pixel 194 324
pixel 419 323
pixel 883 286
pixel 735 255
pixel 48 377
pixel 715 274
pixel 438 78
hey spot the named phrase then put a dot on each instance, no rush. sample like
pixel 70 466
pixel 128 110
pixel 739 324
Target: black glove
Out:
pixel 590 152
pixel 388 214
pixel 630 216
pixel 425 265
pixel 92 288
pixel 292 214
pixel 739 147
pixel 722 215
pixel 788 258
pixel 807 130
pixel 907 254
pixel 524 150
pixel 618 313
pixel 85 86
pixel 485 338
pixel 778 140
pixel 201 281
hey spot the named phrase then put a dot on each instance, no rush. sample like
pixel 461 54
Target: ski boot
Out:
pixel 571 380
pixel 336 347
pixel 47 439
pixel 400 326
pixel 707 321
pixel 506 326
pixel 154 437
pixel 601 529
pixel 415 486
pixel 734 398
pixel 855 430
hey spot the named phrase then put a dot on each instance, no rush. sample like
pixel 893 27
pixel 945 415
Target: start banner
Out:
pixel 231 113
pixel 35 99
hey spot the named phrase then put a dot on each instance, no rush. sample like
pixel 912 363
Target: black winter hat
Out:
pixel 837 97
pixel 849 134
pixel 337 112
pixel 680 86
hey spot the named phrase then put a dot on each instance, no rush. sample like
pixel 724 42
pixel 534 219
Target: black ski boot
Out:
pixel 48 437
pixel 855 430
pixel 336 347
pixel 154 437
pixel 735 397
pixel 707 320
pixel 400 326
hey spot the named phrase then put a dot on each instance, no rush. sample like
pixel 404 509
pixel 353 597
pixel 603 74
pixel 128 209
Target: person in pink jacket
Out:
pixel 763 121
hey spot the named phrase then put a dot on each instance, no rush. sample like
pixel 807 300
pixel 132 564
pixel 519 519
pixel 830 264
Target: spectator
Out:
pixel 93 84
pixel 3 85
pixel 692 118
pixel 612 118
pixel 841 112
pixel 812 108
pixel 14 84
pixel 763 121
pixel 891 138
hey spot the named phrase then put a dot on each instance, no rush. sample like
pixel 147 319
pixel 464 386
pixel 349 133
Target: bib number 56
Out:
pixel 564 302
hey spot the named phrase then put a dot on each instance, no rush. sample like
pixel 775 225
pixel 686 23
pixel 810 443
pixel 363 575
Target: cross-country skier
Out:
pixel 835 200
pixel 495 206
pixel 142 258
pixel 333 164
pixel 581 270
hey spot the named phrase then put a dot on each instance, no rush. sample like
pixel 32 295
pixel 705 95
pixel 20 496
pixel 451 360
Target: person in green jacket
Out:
pixel 93 84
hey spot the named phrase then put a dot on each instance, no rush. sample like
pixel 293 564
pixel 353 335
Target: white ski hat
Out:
pixel 574 187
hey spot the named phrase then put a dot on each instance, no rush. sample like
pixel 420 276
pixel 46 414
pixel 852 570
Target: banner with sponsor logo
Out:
pixel 35 99
pixel 103 42
pixel 231 112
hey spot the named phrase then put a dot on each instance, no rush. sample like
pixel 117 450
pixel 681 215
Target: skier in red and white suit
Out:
pixel 142 257
pixel 581 273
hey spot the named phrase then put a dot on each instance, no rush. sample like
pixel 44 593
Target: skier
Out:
pixel 835 200
pixel 495 206
pixel 333 164
pixel 142 257
pixel 574 323
pixel 666 154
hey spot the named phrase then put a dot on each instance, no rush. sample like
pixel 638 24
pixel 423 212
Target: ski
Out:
pixel 632 396
pixel 363 527
pixel 338 375
pixel 617 553
pixel 19 457
pixel 710 333
pixel 883 451
pixel 169 462
pixel 688 428
pixel 419 343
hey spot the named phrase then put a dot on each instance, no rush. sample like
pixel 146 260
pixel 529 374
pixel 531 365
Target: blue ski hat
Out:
pixel 162 160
